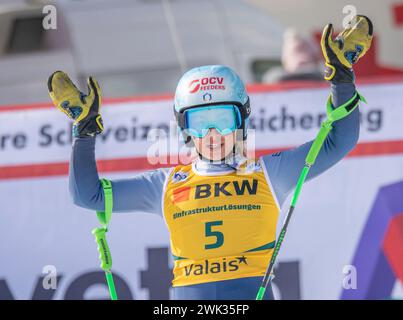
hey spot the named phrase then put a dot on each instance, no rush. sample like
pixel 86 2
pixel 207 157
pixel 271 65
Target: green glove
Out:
pixel 348 47
pixel 82 108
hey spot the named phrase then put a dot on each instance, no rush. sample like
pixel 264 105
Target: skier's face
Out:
pixel 215 146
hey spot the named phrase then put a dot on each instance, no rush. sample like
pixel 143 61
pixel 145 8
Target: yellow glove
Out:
pixel 348 47
pixel 82 108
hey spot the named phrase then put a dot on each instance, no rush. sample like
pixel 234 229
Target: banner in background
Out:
pixel 343 242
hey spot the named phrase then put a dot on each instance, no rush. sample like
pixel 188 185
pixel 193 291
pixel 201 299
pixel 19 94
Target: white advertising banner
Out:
pixel 343 242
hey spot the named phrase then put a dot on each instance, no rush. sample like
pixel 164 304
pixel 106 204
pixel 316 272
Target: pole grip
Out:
pixel 103 248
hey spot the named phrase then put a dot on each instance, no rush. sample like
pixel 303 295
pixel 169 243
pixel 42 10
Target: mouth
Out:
pixel 215 146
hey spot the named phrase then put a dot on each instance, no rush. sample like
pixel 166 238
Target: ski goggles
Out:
pixel 224 118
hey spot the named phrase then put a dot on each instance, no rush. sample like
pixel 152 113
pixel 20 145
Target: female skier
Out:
pixel 222 209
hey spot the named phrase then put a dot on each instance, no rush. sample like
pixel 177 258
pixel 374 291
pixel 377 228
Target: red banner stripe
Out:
pixel 142 163
pixel 398 14
pixel 252 88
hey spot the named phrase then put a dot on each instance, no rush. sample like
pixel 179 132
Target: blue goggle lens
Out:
pixel 224 118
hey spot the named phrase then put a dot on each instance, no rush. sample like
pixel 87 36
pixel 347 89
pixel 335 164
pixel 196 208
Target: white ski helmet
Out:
pixel 211 85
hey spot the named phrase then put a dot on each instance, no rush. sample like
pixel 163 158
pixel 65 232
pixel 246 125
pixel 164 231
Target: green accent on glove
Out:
pixel 82 108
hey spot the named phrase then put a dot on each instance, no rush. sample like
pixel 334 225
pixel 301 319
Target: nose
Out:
pixel 213 133
pixel 213 136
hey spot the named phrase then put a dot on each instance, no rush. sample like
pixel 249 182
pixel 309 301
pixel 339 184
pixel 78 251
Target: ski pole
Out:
pixel 332 115
pixel 100 237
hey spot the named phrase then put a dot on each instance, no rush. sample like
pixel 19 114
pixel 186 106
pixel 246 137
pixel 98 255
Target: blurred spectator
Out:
pixel 301 60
